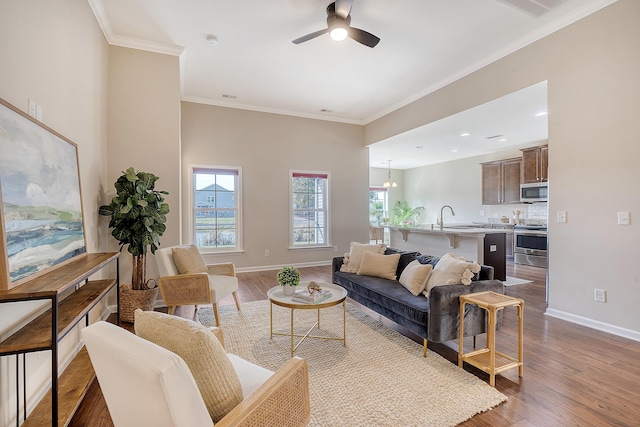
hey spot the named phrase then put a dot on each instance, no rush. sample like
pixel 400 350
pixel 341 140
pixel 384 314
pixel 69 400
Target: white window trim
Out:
pixel 328 243
pixel 239 248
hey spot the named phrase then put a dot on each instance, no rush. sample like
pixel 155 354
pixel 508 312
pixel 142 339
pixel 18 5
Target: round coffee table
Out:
pixel 338 295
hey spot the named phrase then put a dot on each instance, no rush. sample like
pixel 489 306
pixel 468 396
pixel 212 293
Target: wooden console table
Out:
pixel 488 359
pixel 71 296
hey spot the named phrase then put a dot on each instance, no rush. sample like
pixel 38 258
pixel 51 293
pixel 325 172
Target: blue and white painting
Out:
pixel 41 205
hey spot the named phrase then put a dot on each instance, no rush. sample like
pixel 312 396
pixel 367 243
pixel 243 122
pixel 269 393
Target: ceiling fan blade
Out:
pixel 343 8
pixel 310 36
pixel 361 36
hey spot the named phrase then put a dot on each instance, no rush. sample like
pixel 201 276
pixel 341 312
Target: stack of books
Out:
pixel 304 296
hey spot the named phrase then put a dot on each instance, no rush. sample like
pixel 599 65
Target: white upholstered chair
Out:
pixel 147 385
pixel 197 288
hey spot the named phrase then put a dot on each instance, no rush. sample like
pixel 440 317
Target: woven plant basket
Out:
pixel 131 299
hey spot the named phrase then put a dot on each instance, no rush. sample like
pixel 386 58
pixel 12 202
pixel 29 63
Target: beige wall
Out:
pixel 592 70
pixel 55 54
pixel 267 146
pixel 144 133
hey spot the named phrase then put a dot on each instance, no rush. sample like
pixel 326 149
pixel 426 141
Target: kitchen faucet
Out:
pixel 441 209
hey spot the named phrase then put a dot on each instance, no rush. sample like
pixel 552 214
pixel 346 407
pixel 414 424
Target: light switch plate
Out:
pixel 623 218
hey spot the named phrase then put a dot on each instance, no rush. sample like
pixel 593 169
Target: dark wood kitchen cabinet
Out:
pixel 535 164
pixel 501 182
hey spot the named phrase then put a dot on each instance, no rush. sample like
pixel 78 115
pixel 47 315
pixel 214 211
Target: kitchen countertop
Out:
pixel 456 229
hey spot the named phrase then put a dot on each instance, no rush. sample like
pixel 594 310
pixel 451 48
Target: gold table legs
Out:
pixel 302 337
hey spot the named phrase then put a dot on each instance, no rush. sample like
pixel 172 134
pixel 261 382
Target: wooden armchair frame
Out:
pixel 194 289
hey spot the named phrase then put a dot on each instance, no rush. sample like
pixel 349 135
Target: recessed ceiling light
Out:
pixel 419 146
pixel 503 140
pixel 455 150
pixel 541 113
pixel 211 39
pixel 326 110
pixel 465 134
pixel 226 95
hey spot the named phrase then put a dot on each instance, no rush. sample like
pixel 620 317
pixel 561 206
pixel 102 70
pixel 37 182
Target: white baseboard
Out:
pixel 278 266
pixel 600 326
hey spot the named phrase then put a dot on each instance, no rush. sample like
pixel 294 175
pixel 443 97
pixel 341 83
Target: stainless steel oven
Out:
pixel 530 245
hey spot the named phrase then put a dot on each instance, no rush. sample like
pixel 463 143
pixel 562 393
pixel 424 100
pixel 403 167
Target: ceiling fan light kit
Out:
pixel 339 26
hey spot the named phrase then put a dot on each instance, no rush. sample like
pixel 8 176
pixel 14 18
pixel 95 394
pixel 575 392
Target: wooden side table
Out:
pixel 488 359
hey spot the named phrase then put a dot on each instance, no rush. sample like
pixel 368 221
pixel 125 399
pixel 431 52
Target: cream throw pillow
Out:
pixel 188 260
pixel 352 260
pixel 414 277
pixel 384 266
pixel 451 270
pixel 208 362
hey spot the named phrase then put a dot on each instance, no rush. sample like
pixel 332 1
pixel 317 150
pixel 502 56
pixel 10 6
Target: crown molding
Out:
pixel 261 109
pixel 130 42
pixel 516 45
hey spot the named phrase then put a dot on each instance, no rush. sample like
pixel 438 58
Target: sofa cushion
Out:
pixel 415 276
pixel 353 259
pixel 406 257
pixel 207 360
pixel 188 260
pixel 389 294
pixel 384 266
pixel 451 270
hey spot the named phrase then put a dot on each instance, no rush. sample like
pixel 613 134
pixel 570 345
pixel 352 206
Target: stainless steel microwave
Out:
pixel 535 192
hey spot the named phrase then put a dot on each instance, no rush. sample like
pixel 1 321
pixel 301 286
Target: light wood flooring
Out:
pixel 573 375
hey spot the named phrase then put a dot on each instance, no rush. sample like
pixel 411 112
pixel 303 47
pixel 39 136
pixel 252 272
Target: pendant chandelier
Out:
pixel 389 182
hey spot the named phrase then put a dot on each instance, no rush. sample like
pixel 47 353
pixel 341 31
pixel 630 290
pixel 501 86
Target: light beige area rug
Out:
pixel 379 379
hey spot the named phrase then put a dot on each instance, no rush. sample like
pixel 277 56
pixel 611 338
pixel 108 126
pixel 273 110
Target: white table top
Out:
pixel 338 294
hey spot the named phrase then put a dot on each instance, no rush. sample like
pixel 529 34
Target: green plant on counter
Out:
pixel 403 214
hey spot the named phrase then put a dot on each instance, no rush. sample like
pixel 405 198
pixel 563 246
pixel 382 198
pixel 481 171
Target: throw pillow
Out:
pixel 451 270
pixel 208 362
pixel 379 265
pixel 188 260
pixel 352 260
pixel 414 277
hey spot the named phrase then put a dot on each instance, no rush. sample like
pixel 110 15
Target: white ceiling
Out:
pixel 425 44
pixel 513 121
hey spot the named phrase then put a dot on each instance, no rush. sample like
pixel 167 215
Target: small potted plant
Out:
pixel 138 217
pixel 288 277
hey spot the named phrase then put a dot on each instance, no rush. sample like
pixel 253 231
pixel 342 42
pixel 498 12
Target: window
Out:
pixel 309 209
pixel 378 209
pixel 216 208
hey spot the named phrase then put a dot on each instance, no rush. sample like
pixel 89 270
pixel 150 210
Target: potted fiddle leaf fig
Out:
pixel 138 216
pixel 288 277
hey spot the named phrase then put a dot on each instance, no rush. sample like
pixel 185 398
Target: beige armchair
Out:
pixel 179 289
pixel 145 384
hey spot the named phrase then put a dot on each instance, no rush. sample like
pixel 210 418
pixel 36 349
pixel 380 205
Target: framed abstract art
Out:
pixel 41 221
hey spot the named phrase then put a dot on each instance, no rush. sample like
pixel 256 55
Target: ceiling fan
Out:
pixel 338 25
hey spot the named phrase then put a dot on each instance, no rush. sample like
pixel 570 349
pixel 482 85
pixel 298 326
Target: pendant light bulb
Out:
pixel 389 182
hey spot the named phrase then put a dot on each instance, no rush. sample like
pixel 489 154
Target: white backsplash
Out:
pixel 533 212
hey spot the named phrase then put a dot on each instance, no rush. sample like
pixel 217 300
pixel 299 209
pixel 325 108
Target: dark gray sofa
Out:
pixel 434 319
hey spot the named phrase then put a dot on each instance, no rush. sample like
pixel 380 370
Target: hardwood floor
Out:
pixel 573 375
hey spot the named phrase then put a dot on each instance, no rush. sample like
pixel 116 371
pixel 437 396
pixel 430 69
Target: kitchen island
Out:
pixel 483 245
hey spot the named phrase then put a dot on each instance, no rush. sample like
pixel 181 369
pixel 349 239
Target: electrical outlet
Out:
pixel 623 218
pixel 600 295
pixel 266 252
pixel 562 216
pixel 335 249
pixel 481 213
